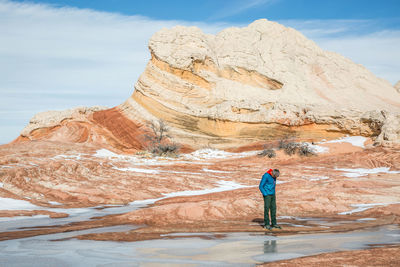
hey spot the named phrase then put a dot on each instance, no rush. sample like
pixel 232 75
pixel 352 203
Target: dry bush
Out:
pixel 290 147
pixel 167 150
pixel 270 153
pixel 157 137
pixel 306 150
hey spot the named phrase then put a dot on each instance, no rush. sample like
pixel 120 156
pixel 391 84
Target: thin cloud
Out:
pixel 236 7
pixel 55 58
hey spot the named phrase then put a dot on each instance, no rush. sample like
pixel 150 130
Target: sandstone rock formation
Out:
pixel 257 82
pixel 98 126
pixel 252 84
pixel 397 86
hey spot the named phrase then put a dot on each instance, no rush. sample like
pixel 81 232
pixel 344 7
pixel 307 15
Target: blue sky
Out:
pixel 56 55
pixel 241 10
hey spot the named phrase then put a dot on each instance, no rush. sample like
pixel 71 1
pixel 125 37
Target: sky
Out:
pixel 56 55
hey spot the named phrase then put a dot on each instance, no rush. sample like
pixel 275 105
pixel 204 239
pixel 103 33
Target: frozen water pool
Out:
pixel 233 249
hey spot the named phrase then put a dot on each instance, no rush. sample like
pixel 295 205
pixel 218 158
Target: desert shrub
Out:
pixel 282 143
pixel 270 153
pixel 291 148
pixel 157 138
pixel 169 150
pixel 306 150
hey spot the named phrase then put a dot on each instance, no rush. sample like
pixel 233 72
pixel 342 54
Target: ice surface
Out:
pixel 16 204
pixel 234 249
pixel 189 234
pixel 7 219
pixel 363 172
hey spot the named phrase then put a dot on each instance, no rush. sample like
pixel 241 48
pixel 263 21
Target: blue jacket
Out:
pixel 267 185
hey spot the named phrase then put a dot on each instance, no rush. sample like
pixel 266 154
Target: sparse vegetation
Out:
pixel 269 152
pixel 291 147
pixel 168 150
pixel 306 150
pixel 159 144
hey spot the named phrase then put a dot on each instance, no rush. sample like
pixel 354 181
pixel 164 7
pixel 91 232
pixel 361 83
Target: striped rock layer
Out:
pixel 252 84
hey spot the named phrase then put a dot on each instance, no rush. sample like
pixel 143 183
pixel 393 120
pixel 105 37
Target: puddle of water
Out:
pixel 234 249
pixel 8 224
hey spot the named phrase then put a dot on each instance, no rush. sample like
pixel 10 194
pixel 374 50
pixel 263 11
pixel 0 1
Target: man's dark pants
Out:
pixel 269 205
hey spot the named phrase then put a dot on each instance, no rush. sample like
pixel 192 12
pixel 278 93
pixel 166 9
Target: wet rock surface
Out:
pixel 191 193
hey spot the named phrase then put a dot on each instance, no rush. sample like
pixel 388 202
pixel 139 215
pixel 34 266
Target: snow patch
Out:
pixel 354 140
pixel 223 186
pixel 1 185
pixel 137 170
pixel 319 178
pixel 105 153
pixel 318 149
pixel 54 203
pixel 363 172
pixel 217 154
pixel 77 157
pixel 215 171
pixel 363 207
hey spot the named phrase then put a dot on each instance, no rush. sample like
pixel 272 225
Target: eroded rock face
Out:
pixel 236 88
pixel 255 83
pixel 96 126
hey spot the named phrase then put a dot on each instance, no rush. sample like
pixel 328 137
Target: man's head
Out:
pixel 275 173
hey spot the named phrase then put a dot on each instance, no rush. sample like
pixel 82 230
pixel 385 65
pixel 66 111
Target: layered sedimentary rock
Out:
pixel 98 126
pixel 251 84
pixel 258 82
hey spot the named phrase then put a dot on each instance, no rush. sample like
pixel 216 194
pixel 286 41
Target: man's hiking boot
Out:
pixel 268 227
pixel 276 226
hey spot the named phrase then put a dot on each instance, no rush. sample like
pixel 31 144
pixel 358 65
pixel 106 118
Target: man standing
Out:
pixel 267 188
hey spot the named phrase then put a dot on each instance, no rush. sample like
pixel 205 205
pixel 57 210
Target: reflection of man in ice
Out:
pixel 270 246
